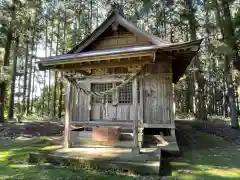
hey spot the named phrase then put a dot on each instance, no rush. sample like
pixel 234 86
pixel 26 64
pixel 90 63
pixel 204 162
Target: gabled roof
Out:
pixel 183 52
pixel 117 18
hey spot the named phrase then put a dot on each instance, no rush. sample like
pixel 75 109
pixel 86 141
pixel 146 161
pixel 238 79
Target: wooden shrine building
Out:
pixel 122 76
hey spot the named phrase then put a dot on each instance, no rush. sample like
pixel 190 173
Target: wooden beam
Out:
pixel 167 126
pixel 83 72
pixel 99 58
pixel 113 64
pixel 107 80
pixel 129 124
pixel 104 122
pixel 135 116
pixel 68 115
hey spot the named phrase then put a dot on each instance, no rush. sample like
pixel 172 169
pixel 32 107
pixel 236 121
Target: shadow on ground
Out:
pixel 204 154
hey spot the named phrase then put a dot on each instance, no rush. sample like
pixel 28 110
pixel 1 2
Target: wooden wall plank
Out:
pixel 157 99
pixel 156 106
pixel 119 41
pixel 81 108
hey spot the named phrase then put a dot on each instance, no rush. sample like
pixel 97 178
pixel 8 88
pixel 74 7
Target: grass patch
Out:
pixel 13 164
pixel 210 157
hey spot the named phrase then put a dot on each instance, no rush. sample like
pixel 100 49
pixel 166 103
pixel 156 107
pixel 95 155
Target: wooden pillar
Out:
pixel 141 100
pixel 114 103
pixel 141 115
pixel 90 103
pixel 173 104
pixel 68 115
pixel 74 109
pixel 135 115
pixel 89 108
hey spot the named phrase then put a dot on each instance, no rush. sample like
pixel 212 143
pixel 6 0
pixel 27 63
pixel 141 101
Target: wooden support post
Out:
pixel 74 110
pixel 114 103
pixel 89 107
pixel 89 103
pixel 141 115
pixel 141 100
pixel 173 105
pixel 68 115
pixel 135 115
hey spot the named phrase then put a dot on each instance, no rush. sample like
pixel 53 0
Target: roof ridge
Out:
pixel 149 36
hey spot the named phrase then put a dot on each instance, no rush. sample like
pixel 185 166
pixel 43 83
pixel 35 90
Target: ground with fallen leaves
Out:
pixel 206 154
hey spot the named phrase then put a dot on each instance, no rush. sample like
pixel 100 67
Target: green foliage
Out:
pixel 5 74
pixel 38 102
pixel 222 48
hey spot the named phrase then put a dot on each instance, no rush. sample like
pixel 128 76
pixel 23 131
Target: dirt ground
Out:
pixel 217 128
pixel 55 128
pixel 31 129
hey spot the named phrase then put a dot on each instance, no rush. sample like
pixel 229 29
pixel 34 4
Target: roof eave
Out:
pixel 190 46
pixel 44 64
pixel 188 61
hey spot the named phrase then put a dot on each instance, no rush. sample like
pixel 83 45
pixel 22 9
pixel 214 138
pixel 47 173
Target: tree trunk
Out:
pixel 190 85
pixel 19 102
pixel 25 79
pixel 49 71
pixel 199 95
pixel 14 68
pixel 6 58
pixel 30 69
pixel 91 16
pixel 218 17
pixel 33 85
pixel 230 40
pixel 63 51
pixel 44 80
pixel 29 82
pixel 56 73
